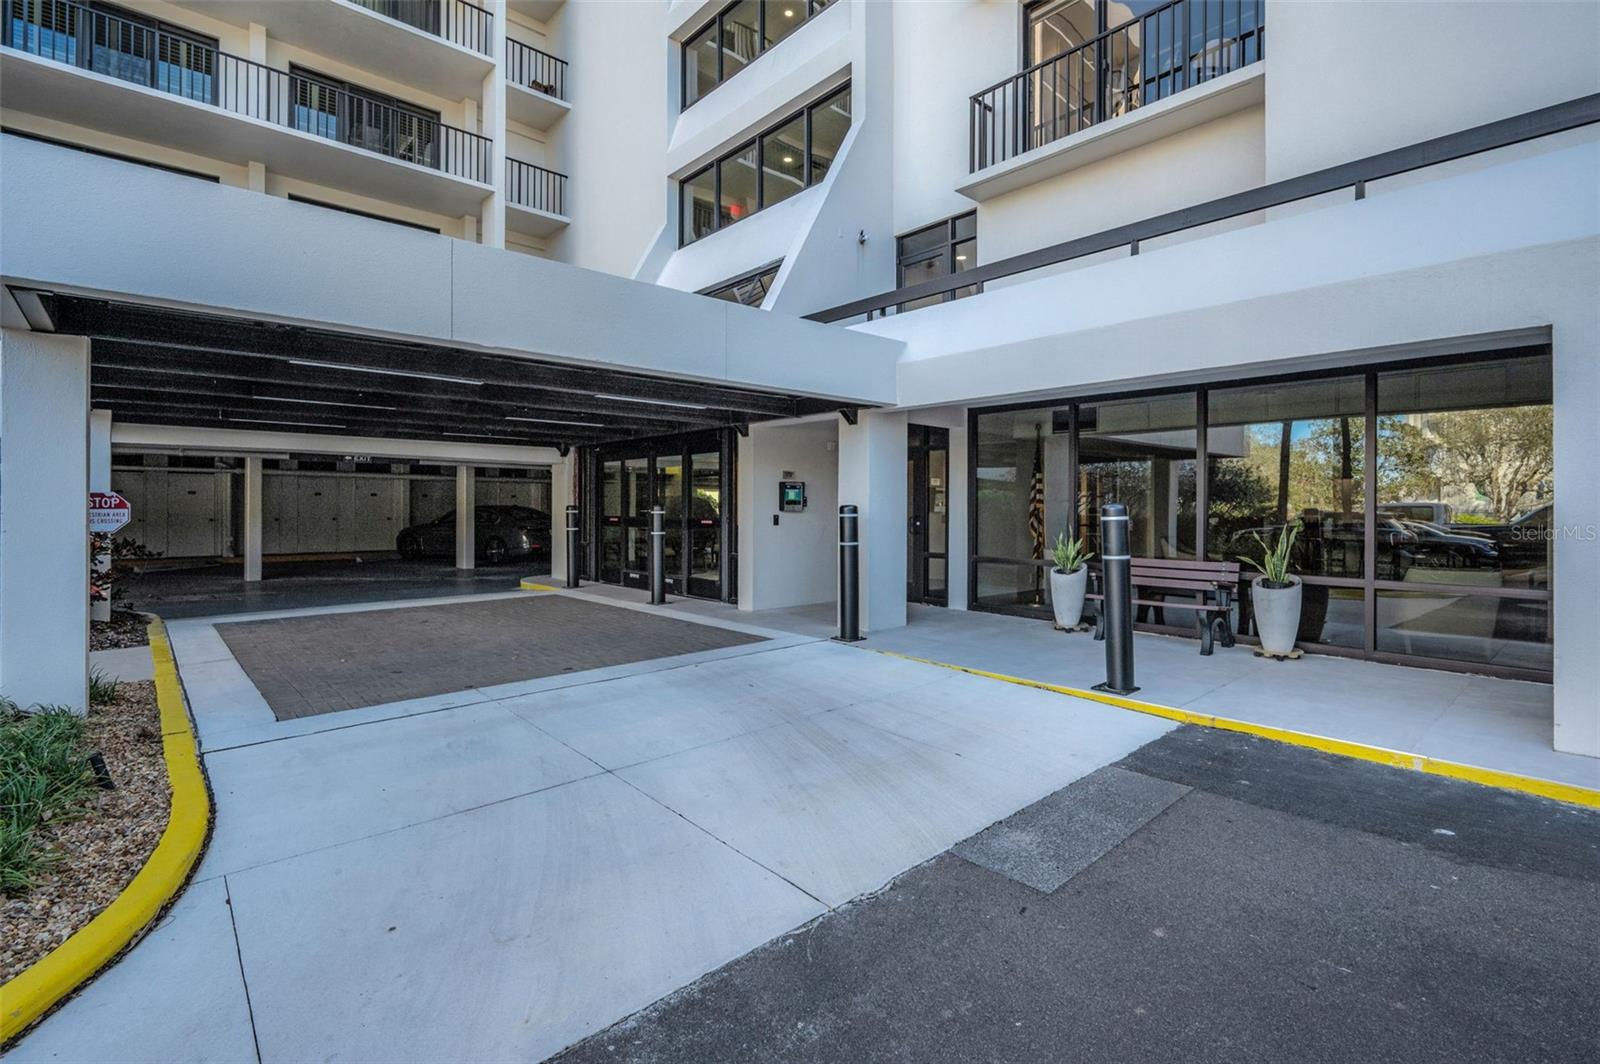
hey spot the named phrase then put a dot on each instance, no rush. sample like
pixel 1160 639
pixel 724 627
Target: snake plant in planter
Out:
pixel 1275 594
pixel 1068 581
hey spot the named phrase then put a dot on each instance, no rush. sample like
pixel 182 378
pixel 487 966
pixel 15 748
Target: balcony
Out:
pixel 73 64
pixel 536 199
pixel 536 86
pixel 444 47
pixel 1143 63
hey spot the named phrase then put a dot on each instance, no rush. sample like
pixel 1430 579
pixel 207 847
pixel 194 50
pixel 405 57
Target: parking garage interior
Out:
pixel 369 487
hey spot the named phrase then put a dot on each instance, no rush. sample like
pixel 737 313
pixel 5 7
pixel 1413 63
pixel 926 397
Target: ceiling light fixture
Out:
pixel 961 258
pixel 652 402
pixel 788 160
pixel 323 402
pixel 556 421
pixel 385 372
pixel 295 424
pixel 482 436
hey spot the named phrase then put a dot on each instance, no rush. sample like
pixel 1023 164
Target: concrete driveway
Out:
pixel 494 873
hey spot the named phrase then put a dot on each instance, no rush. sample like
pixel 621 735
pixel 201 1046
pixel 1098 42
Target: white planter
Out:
pixel 1066 595
pixel 1277 612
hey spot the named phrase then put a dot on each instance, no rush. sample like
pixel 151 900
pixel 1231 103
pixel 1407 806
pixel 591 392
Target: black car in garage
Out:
pixel 502 533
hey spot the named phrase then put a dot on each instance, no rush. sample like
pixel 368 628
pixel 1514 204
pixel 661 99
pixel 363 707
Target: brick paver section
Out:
pixel 304 666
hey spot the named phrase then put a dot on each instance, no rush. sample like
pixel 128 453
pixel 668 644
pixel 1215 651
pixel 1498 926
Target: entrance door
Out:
pixel 636 503
pixel 927 515
pixel 691 480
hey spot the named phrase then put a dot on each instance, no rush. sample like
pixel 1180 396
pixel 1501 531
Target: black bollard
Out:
pixel 849 575
pixel 572 546
pixel 1116 582
pixel 658 556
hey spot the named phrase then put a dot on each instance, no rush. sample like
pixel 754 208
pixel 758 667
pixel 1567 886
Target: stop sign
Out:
pixel 108 511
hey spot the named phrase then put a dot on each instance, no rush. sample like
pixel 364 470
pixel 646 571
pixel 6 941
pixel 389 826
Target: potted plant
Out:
pixel 1275 594
pixel 1068 581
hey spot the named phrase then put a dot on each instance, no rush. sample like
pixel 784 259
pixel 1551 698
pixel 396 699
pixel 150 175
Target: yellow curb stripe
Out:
pixel 529 585
pixel 90 948
pixel 1488 777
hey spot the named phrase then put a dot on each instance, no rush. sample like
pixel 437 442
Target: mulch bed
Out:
pixel 124 629
pixel 103 849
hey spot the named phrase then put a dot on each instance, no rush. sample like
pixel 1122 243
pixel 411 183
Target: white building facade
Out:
pixel 978 267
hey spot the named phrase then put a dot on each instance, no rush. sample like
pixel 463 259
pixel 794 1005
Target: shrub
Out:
pixel 44 773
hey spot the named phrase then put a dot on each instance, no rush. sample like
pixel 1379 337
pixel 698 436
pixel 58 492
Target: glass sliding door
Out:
pixel 636 501
pixel 690 478
pixel 610 492
pixel 704 517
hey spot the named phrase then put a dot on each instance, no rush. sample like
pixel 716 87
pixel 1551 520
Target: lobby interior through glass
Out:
pixel 1425 493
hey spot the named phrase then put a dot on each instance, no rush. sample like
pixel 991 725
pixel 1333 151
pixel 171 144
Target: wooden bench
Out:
pixel 1208 587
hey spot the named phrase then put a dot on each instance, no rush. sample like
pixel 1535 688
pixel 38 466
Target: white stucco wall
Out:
pixel 1346 80
pixel 793 562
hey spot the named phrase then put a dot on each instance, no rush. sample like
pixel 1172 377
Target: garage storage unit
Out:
pixel 339 507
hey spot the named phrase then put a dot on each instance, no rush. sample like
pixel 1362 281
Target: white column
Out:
pixel 44 526
pixel 466 533
pixel 1575 548
pixel 960 480
pixel 872 475
pixel 100 480
pixel 493 126
pixel 560 497
pixel 251 541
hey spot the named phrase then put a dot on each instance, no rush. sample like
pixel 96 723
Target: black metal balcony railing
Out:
pixel 1164 51
pixel 533 186
pixel 455 20
pixel 130 51
pixel 533 69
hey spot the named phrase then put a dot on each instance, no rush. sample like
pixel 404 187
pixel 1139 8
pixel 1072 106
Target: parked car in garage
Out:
pixel 501 533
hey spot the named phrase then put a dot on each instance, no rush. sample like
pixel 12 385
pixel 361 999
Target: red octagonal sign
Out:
pixel 108 511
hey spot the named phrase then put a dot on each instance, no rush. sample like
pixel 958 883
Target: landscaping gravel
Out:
pixel 124 629
pixel 101 850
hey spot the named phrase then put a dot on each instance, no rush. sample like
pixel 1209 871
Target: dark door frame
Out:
pixel 922 440
pixel 652 449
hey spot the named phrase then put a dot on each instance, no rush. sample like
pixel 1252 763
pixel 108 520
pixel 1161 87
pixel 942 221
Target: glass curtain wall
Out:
pixel 1425 497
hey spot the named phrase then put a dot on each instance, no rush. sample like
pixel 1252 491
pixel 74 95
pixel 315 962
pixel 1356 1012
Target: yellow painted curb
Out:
pixel 90 948
pixel 1489 777
pixel 529 585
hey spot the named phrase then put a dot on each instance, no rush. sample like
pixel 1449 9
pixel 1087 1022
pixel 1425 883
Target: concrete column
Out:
pixel 44 523
pixel 960 486
pixel 872 475
pixel 100 480
pixel 466 534
pixel 250 543
pixel 1575 531
pixel 561 495
pixel 493 126
pixel 258 43
pixel 258 177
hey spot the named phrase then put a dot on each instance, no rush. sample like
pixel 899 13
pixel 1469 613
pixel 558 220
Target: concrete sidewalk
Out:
pixel 498 873
pixel 1492 723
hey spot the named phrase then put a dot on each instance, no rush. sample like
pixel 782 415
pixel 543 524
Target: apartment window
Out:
pixel 739 35
pixel 366 119
pixel 751 289
pixel 790 156
pixel 117 43
pixel 936 251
